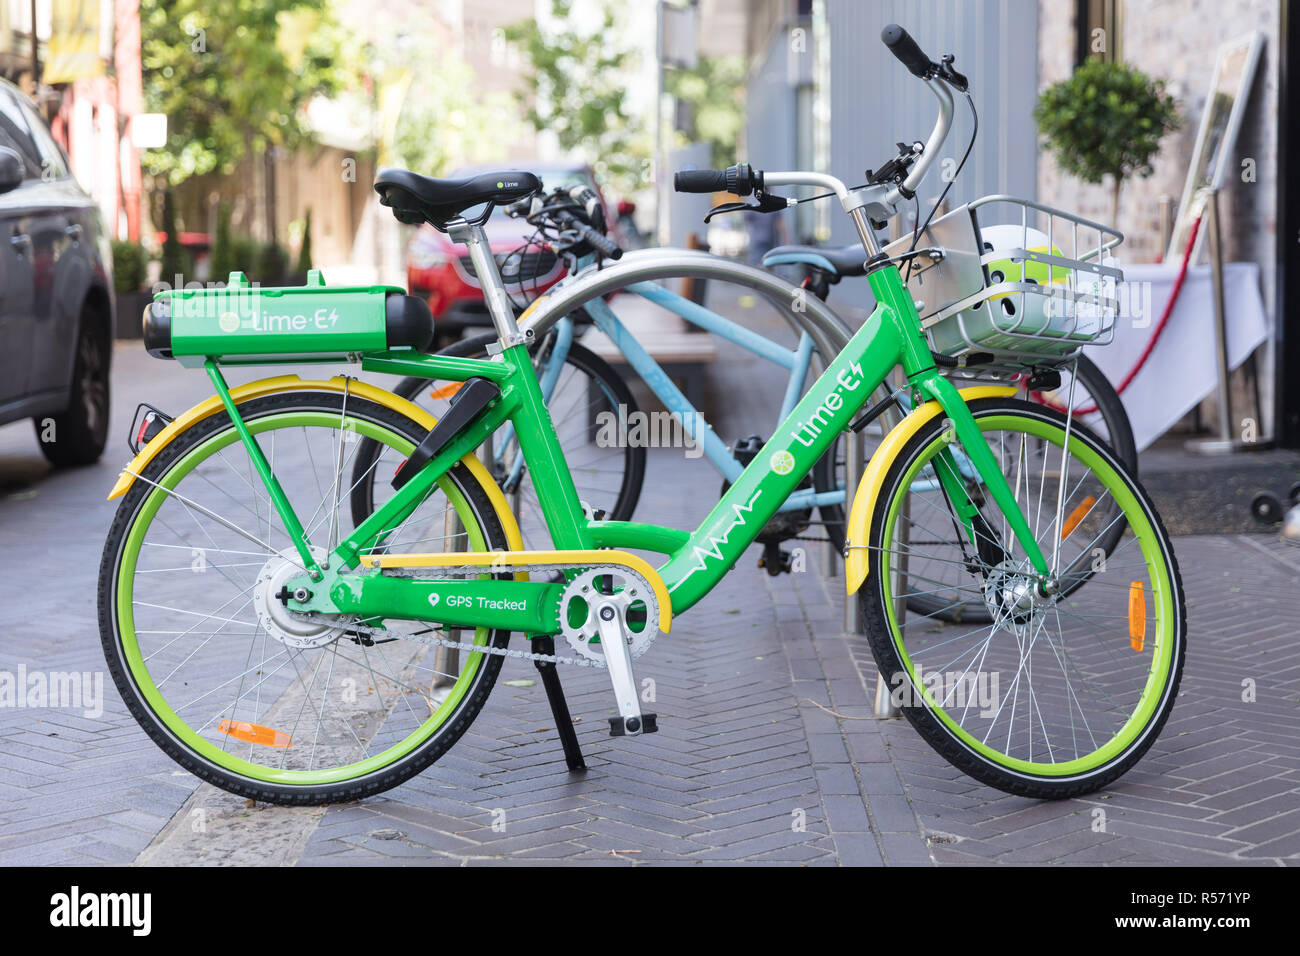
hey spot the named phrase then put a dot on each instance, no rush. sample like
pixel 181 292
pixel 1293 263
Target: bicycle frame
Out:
pixel 697 560
pixel 797 362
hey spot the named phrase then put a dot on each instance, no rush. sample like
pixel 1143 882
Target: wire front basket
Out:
pixel 1020 281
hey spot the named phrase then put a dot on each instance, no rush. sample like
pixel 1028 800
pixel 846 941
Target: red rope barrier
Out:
pixel 1155 336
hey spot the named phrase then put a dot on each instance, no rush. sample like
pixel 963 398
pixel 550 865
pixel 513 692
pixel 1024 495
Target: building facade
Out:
pixel 84 75
pixel 850 101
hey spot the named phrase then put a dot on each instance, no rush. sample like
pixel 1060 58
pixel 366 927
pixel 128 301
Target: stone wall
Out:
pixel 1178 41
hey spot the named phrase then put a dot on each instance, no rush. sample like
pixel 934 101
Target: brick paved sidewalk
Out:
pixel 746 768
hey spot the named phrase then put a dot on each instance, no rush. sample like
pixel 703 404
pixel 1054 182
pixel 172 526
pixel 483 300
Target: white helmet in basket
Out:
pixel 1030 312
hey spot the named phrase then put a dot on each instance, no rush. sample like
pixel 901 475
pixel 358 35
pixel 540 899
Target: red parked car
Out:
pixel 441 270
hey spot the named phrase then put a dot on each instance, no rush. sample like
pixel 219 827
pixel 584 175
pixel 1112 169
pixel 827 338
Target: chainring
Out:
pixel 627 590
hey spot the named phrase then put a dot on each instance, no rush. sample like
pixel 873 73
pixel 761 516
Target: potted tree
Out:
pixel 1107 120
pixel 130 267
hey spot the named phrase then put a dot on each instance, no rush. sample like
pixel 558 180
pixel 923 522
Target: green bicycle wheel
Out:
pixel 238 691
pixel 1056 694
pixel 1098 407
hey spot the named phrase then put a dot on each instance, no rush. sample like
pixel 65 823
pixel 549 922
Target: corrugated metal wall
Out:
pixel 771 123
pixel 778 131
pixel 875 102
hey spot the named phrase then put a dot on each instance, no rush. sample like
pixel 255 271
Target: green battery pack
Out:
pixel 248 324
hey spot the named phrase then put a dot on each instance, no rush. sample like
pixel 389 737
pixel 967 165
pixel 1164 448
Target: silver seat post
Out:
pixel 489 278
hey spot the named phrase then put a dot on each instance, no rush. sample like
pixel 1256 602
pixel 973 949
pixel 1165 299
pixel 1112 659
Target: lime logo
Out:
pixel 229 322
pixel 782 462
pixel 434 599
pixel 501 185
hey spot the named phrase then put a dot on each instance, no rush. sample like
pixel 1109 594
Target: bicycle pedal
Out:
pixel 632 727
pixel 775 560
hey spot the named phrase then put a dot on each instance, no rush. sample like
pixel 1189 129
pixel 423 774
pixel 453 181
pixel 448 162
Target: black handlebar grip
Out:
pixel 700 181
pixel 902 45
pixel 606 246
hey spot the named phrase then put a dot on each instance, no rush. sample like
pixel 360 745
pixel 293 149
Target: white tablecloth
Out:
pixel 1182 369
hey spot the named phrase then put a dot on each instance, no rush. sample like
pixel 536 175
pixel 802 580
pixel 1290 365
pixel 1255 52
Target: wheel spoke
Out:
pixel 249 683
pixel 1048 677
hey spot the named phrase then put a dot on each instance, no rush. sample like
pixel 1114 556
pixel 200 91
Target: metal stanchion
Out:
pixel 1226 442
pixel 853 468
pixel 884 703
pixel 446 660
pixel 1166 222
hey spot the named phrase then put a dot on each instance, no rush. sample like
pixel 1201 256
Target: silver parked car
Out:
pixel 56 299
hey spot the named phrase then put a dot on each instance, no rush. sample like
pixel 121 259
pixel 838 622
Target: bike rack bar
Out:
pixel 827 329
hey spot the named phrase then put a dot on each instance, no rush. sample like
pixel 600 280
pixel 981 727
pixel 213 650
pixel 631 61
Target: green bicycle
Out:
pixel 276 648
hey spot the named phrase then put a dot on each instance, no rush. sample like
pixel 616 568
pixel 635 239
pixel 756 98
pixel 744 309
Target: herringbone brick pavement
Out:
pixel 747 767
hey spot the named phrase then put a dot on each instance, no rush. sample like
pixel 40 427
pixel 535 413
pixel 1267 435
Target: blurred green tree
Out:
pixel 130 265
pixel 233 77
pixel 223 262
pixel 1106 120
pixel 445 119
pixel 173 253
pixel 577 90
pixel 715 92
pixel 304 249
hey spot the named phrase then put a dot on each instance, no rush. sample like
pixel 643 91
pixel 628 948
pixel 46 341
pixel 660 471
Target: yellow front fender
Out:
pixel 291 383
pixel 864 500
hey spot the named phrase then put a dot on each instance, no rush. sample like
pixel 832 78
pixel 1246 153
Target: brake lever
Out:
pixel 950 75
pixel 766 203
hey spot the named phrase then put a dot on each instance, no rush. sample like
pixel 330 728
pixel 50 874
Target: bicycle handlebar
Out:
pixel 700 181
pixel 940 77
pixel 597 240
pixel 902 45
pixel 583 204
pixel 741 179
pixel 939 87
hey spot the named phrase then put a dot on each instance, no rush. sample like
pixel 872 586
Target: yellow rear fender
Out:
pixel 292 383
pixel 864 500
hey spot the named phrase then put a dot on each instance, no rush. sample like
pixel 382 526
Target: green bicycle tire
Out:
pixel 1119 436
pixel 1037 779
pixel 151 710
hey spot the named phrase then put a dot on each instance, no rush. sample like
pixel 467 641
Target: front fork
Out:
pixel 966 431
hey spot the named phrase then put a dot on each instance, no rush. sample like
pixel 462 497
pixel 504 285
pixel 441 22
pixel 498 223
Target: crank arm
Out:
pixel 613 642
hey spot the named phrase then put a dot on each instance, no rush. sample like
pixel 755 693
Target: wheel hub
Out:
pixel 1011 592
pixel 274 616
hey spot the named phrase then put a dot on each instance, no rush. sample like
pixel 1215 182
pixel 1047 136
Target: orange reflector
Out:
pixel 1137 615
pixel 1076 516
pixel 255 733
pixel 448 390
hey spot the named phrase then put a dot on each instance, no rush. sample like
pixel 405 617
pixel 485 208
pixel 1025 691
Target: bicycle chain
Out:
pixel 465 646
pixel 465 570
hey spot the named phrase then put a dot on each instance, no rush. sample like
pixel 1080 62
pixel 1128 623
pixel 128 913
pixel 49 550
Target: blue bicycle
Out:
pixel 586 396
pixel 583 391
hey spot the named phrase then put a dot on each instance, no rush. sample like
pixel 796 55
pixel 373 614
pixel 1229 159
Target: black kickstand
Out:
pixel 559 707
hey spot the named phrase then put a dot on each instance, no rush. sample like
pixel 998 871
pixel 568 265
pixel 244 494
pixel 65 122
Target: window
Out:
pixel 53 161
pixel 7 141
pixel 13 123
pixel 1097 30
